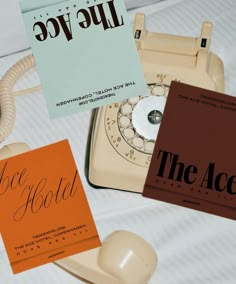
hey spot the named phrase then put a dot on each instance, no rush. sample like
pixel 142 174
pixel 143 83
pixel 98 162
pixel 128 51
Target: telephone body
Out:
pixel 124 133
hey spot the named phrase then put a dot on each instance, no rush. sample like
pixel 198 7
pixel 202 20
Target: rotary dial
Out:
pixel 133 124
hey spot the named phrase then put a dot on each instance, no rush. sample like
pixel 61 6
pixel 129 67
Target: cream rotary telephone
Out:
pixel 124 133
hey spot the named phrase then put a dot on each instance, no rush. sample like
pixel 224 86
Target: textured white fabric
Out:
pixel 13 37
pixel 131 4
pixel 12 30
pixel 193 247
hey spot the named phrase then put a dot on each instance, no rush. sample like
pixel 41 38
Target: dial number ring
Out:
pixel 119 126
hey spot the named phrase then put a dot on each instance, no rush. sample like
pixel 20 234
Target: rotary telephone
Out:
pixel 124 133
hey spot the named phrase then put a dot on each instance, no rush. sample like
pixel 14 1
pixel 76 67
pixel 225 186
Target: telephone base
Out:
pixel 124 133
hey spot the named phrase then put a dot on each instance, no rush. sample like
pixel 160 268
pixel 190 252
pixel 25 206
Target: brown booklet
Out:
pixel 193 164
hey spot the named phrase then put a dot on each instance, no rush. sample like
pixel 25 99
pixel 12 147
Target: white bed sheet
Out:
pixel 193 247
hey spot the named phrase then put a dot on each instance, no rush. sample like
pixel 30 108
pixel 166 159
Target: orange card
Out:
pixel 44 212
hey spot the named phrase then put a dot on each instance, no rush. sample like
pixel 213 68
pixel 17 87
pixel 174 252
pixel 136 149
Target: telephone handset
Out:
pixel 123 258
pixel 124 133
pixel 12 150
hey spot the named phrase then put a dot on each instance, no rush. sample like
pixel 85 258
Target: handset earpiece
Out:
pixel 12 150
pixel 128 257
pixel 123 258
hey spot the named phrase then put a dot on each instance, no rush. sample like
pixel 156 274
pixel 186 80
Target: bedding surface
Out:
pixel 192 247
pixel 14 37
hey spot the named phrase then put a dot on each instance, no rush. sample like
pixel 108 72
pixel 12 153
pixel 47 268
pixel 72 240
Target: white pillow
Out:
pixel 13 36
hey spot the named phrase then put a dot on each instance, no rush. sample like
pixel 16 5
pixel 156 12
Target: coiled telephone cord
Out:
pixel 7 97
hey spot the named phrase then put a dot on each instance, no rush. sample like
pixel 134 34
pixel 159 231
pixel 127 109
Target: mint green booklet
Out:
pixel 85 53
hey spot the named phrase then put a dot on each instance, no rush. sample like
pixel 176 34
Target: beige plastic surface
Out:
pixel 85 266
pixel 124 258
pixel 107 167
pixel 162 56
pixel 12 150
pixel 184 57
